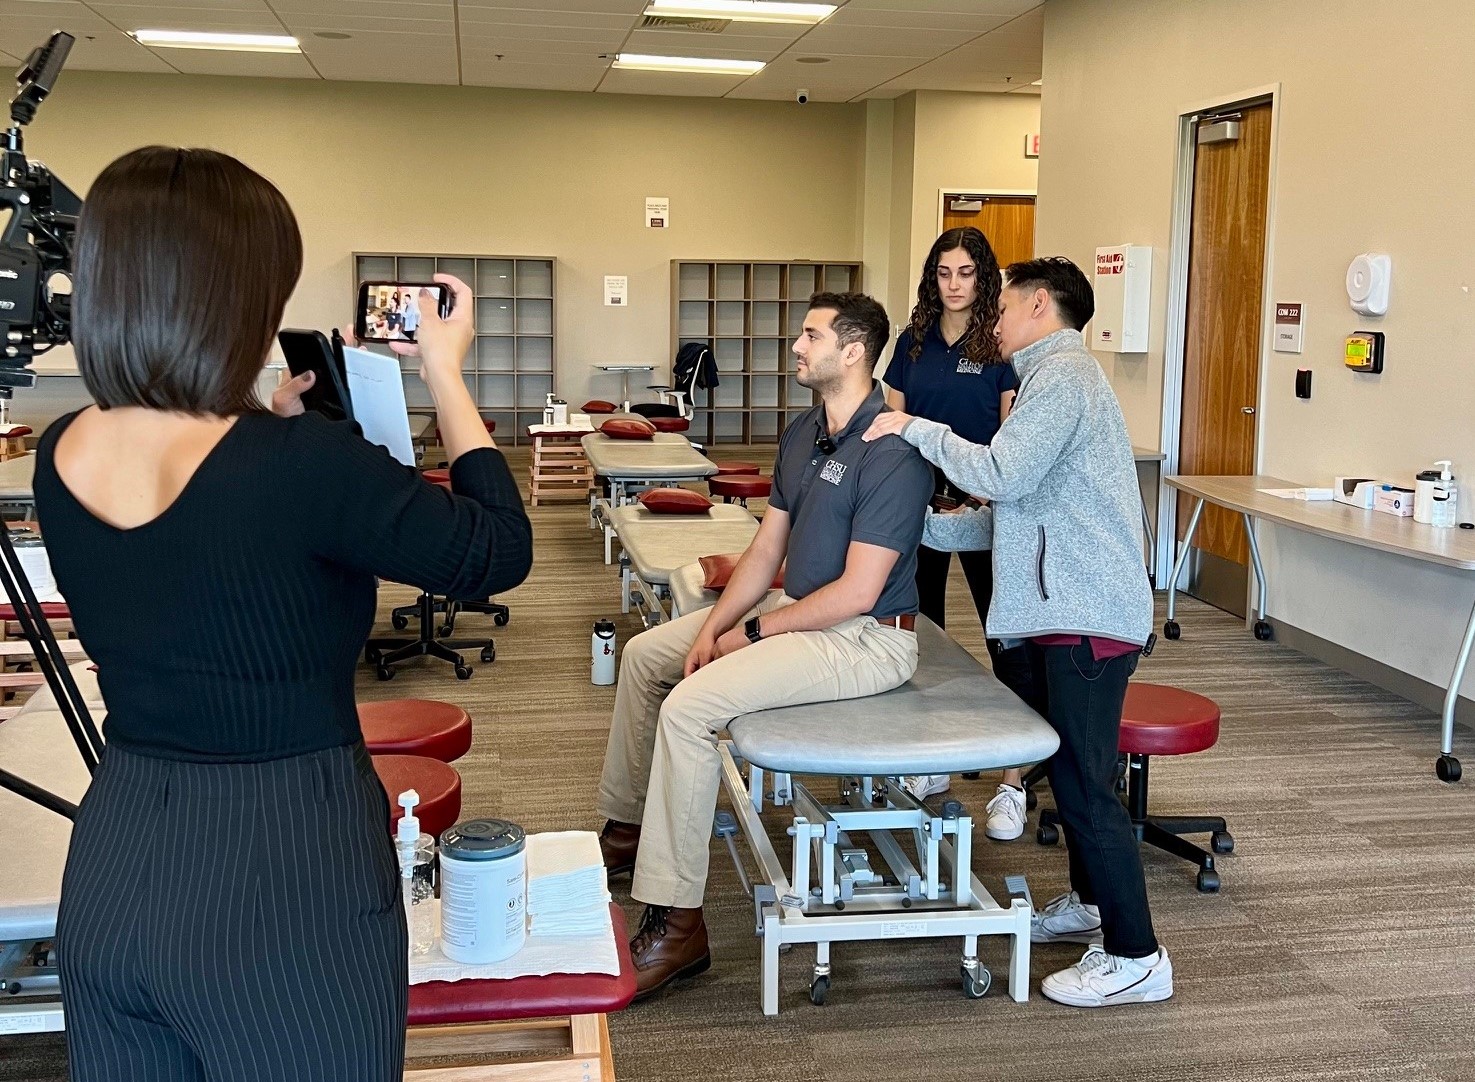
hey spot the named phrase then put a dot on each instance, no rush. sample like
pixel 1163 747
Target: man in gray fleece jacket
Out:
pixel 1069 582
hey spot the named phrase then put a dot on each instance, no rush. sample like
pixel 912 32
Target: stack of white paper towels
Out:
pixel 568 893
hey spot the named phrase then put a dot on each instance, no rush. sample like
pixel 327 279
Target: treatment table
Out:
pixel 631 466
pixel 654 547
pixel 915 878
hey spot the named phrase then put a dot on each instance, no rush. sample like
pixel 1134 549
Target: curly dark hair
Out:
pixel 979 345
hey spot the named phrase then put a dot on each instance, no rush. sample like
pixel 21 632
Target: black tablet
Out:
pixel 310 350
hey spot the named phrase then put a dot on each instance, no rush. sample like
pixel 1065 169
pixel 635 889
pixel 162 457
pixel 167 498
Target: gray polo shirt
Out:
pixel 875 493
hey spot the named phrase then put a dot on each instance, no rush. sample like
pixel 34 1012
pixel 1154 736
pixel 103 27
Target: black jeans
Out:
pixel 1082 699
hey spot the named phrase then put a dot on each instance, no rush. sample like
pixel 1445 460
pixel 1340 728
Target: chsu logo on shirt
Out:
pixel 970 368
pixel 832 472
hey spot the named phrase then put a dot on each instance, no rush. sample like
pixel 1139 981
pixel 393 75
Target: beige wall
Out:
pixel 1369 156
pixel 943 140
pixel 428 169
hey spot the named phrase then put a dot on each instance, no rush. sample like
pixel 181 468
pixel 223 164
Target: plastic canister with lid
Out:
pixel 483 891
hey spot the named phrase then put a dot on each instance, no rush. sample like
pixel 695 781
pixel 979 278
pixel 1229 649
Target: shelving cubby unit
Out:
pixel 512 364
pixel 748 313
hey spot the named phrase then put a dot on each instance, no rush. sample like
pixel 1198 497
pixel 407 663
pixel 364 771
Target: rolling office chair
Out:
pixel 675 404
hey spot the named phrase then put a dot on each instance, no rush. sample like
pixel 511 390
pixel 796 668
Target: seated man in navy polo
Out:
pixel 844 520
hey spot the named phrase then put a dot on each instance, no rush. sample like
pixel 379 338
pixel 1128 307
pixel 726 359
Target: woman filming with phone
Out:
pixel 230 908
pixel 946 367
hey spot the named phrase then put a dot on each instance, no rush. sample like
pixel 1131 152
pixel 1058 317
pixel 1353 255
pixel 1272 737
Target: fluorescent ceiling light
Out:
pixel 692 65
pixel 743 11
pixel 195 39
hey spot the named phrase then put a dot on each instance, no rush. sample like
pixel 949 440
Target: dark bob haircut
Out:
pixel 185 260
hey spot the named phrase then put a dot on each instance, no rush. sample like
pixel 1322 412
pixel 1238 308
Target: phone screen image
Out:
pixel 390 311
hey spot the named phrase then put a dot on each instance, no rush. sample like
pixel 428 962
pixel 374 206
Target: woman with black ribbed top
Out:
pixel 231 907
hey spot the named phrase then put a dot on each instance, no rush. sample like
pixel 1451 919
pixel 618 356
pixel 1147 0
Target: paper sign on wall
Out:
pixel 616 290
pixel 657 212
pixel 1289 323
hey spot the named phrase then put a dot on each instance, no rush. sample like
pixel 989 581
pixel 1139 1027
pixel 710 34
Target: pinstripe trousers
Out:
pixel 233 922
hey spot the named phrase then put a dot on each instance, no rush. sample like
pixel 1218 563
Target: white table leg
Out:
pixel 1170 629
pixel 1448 767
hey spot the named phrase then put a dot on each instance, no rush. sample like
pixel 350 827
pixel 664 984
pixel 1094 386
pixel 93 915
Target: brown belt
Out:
pixel 907 621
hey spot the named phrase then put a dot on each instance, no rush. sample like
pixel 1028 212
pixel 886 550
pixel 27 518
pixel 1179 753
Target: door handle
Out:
pixel 1247 410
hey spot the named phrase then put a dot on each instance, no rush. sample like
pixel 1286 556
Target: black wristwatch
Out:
pixel 752 630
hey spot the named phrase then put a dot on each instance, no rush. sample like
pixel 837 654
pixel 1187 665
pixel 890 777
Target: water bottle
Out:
pixel 417 875
pixel 603 651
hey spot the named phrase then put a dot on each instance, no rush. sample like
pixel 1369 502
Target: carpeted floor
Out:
pixel 1342 945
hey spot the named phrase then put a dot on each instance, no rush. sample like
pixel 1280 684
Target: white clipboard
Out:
pixel 377 391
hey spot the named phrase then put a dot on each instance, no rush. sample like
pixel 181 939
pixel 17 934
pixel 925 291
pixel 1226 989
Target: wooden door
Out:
pixel 1008 221
pixel 1222 343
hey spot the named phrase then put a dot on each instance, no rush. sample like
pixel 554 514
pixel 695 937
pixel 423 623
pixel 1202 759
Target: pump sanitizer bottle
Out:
pixel 1446 497
pixel 416 870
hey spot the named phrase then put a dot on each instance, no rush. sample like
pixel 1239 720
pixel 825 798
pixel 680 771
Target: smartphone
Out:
pixel 309 350
pixel 390 311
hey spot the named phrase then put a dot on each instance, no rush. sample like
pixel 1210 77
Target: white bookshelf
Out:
pixel 512 364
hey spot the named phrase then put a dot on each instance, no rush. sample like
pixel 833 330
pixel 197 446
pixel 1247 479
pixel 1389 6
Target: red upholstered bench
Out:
pixel 670 424
pixel 416 727
pixel 1162 720
pixel 555 1024
pixel 52 610
pixel 739 487
pixel 439 787
pixel 728 469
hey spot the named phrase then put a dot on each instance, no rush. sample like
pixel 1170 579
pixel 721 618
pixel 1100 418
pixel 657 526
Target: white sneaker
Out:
pixel 1066 919
pixel 922 786
pixel 1006 813
pixel 1107 980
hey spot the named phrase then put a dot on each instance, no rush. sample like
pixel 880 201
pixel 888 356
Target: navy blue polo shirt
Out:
pixel 942 385
pixel 875 493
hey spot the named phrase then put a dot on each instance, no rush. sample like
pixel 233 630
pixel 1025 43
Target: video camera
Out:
pixel 36 240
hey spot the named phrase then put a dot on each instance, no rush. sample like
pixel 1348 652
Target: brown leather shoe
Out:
pixel 618 842
pixel 671 944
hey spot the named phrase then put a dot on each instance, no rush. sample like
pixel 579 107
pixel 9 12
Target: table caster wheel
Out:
pixel 385 672
pixel 444 631
pixel 463 672
pixel 501 619
pixel 976 985
pixel 400 622
pixel 1047 834
pixel 489 654
pixel 371 655
pixel 1171 630
pixel 1222 841
pixel 1447 768
pixel 819 988
pixel 1263 631
pixel 1208 881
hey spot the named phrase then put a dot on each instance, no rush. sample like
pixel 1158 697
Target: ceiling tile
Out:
pixel 265 65
pixel 153 17
pixel 827 40
pixel 388 64
pixel 907 19
pixel 1007 8
pixel 630 8
pixel 506 73
pixel 667 83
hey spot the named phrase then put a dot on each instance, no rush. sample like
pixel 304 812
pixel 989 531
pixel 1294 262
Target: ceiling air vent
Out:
pixel 684 23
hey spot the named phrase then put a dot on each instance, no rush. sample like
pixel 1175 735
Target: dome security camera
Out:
pixel 802 97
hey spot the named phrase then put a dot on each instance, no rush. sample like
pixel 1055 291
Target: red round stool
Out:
pixel 1162 720
pixel 670 424
pixel 416 727
pixel 739 487
pixel 728 469
pixel 437 477
pixel 439 787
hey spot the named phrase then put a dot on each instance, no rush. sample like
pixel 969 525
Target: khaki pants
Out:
pixel 662 769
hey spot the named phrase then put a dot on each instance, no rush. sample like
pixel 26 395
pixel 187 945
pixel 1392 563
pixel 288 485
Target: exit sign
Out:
pixel 1032 146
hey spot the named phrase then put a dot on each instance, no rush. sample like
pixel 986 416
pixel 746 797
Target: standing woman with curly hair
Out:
pixel 947 368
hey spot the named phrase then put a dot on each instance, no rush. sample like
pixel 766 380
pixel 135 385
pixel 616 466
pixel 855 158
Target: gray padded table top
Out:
pixel 33 841
pixel 687 592
pixel 15 477
pixel 661 544
pixel 952 716
pixel 667 456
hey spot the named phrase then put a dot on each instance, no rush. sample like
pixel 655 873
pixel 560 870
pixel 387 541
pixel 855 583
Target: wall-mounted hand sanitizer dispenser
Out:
pixel 1123 285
